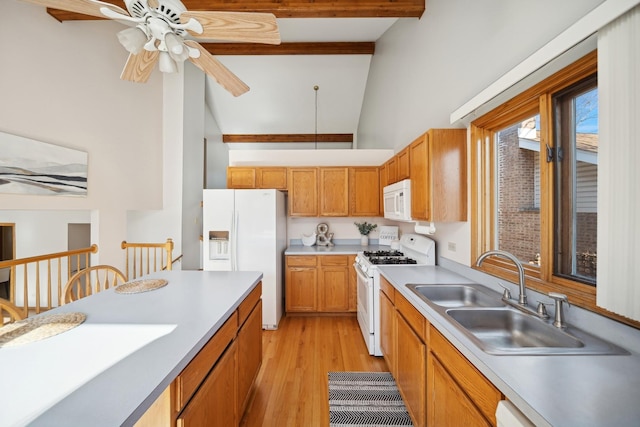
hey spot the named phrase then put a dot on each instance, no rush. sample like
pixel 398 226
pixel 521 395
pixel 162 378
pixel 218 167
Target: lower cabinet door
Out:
pixel 215 403
pixel 387 332
pixel 411 370
pixel 301 289
pixel 249 355
pixel 449 405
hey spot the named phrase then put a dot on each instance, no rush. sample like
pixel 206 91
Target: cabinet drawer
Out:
pixel 388 289
pixel 249 302
pixel 326 260
pixel 192 376
pixel 301 261
pixel 412 316
pixel 479 389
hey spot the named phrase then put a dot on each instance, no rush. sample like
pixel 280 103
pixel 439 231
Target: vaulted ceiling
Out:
pixel 325 43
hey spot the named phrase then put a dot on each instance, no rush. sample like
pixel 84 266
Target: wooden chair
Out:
pixel 9 313
pixel 91 280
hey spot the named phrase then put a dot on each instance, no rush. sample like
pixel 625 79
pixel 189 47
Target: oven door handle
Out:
pixel 360 273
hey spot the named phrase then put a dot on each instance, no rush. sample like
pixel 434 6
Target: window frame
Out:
pixel 535 100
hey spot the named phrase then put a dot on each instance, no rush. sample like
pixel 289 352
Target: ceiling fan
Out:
pixel 163 31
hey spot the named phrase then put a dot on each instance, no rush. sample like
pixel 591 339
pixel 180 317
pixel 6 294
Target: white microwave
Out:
pixel 397 201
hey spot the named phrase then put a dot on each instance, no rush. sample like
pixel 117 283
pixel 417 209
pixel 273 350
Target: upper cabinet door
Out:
pixel 334 191
pixel 438 161
pixel 448 174
pixel 302 184
pixel 392 170
pixel 271 177
pixel 364 191
pixel 420 178
pixel 239 177
pixel 403 161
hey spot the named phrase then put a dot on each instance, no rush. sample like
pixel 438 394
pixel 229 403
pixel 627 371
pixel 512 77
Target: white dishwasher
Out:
pixel 507 415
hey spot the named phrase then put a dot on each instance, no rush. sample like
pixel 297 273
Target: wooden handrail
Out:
pixel 145 258
pixel 8 263
pixel 53 269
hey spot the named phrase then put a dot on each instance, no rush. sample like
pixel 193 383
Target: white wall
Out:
pixel 425 69
pixel 342 228
pixel 217 154
pixel 60 84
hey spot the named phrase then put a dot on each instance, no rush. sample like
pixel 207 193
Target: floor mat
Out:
pixel 365 399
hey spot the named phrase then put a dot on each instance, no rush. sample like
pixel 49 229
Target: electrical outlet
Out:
pixel 452 246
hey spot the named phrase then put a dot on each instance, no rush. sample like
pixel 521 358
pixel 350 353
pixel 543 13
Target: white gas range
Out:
pixel 414 249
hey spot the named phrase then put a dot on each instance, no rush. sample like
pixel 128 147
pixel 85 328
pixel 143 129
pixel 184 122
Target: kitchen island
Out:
pixel 110 369
pixel 551 390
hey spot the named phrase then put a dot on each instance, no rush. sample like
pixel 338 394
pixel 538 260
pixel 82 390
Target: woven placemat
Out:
pixel 38 328
pixel 138 286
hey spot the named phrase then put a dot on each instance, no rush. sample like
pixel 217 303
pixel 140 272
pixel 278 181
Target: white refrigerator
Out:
pixel 246 230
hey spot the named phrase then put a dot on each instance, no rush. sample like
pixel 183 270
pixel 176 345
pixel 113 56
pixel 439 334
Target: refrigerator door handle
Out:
pixel 234 249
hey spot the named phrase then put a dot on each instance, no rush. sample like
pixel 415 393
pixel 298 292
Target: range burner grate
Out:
pixel 383 253
pixel 392 260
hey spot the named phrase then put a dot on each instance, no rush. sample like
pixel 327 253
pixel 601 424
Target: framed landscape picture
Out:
pixel 33 167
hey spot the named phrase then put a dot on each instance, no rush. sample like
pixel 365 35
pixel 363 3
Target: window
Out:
pixel 534 184
pixel 576 181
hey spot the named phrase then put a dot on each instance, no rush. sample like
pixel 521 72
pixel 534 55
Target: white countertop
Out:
pixel 110 369
pixel 556 390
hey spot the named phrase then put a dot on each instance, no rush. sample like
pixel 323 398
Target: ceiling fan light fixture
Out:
pixel 132 39
pixel 166 64
pixel 176 47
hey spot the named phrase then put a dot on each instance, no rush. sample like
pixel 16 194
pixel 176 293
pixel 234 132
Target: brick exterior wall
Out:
pixel 518 215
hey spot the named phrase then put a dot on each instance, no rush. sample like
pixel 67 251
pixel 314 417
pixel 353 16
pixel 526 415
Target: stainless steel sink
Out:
pixel 457 295
pixel 506 331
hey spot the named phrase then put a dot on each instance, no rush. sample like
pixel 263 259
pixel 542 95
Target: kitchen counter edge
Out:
pixel 539 385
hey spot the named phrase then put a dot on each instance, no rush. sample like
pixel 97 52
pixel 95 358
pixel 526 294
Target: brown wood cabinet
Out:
pixel 271 177
pixel 388 340
pixel 241 177
pixel 333 283
pixel 214 388
pixel 364 191
pixel 301 283
pixel 392 170
pixel 439 385
pixel 454 407
pixel 249 354
pixel 384 181
pixel 411 359
pixel 214 404
pixel 333 191
pixel 257 177
pixel 403 343
pixel 323 283
pixel 403 162
pixel 439 175
pixel 457 389
pixel 302 184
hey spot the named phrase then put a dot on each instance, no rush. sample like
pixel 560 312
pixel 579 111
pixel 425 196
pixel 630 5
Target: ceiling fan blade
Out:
pixel 235 26
pixel 214 68
pixel 86 7
pixel 139 67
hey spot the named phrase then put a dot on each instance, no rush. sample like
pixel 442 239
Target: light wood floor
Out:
pixel 291 388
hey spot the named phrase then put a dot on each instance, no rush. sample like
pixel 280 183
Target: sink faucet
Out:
pixel 522 298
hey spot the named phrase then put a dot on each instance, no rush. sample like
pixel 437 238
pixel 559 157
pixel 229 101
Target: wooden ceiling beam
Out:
pixel 306 48
pixel 292 8
pixel 288 137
